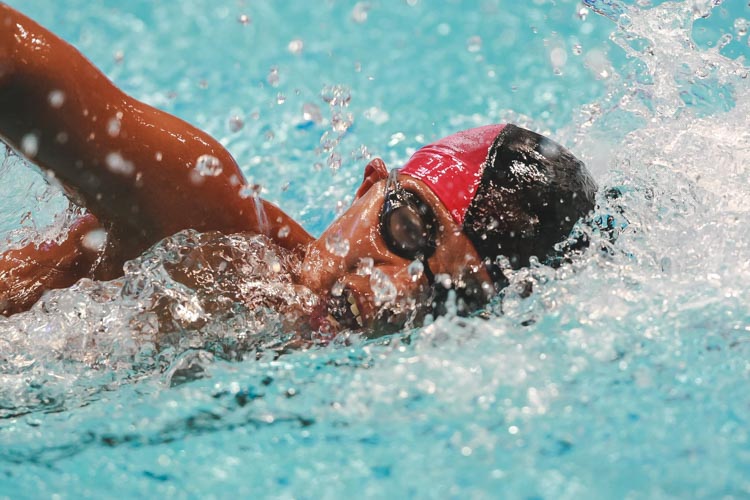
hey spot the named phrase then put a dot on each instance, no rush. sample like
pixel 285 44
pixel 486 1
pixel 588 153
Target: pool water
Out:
pixel 623 374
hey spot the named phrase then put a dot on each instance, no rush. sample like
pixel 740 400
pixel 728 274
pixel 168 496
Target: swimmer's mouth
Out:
pixel 344 311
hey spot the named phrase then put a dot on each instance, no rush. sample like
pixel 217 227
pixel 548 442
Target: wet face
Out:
pixel 369 278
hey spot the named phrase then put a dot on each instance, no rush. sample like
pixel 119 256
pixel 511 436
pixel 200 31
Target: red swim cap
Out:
pixel 452 167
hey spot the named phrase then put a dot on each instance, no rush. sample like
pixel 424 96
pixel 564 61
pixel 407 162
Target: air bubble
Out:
pixel 337 244
pixel 284 231
pixel 244 19
pixel 208 166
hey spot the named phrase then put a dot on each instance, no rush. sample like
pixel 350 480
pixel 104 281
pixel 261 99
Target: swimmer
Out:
pixel 454 217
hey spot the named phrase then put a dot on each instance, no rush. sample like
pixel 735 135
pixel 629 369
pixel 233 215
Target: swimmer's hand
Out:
pixel 25 273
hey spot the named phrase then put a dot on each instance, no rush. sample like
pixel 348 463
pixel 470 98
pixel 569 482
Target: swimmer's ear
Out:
pixel 374 172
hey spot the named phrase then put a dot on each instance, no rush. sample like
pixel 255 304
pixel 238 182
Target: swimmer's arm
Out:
pixel 25 273
pixel 130 164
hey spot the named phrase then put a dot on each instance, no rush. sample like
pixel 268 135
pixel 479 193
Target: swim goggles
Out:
pixel 407 224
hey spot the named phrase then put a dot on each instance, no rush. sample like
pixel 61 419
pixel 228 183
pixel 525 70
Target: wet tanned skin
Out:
pixel 139 182
pixel 454 256
pixel 155 193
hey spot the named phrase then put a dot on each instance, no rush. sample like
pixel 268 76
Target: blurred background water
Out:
pixel 624 374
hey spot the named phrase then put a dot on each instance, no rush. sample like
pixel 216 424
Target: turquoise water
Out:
pixel 624 374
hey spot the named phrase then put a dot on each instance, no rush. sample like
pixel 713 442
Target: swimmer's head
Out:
pixel 516 193
pixel 447 220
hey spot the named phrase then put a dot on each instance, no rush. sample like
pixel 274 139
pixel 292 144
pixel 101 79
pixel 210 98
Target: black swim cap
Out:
pixel 531 194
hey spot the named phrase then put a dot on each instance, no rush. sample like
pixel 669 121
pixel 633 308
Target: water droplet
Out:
pixel 396 138
pixel 725 39
pixel 236 123
pixel 158 156
pixel 284 231
pixel 56 98
pixel 337 244
pixel 244 19
pixel 365 265
pixel 415 270
pixel 376 115
pixel 296 46
pixel 208 166
pixel 336 95
pixel 337 289
pixel 361 153
pixel 95 240
pixel 250 191
pixel 119 165
pixel 328 141
pixel 273 77
pixel 383 289
pixel 311 113
pixel 583 13
pixel 741 26
pixel 577 49
pixel 280 98
pixel 119 56
pixel 443 29
pixel 558 57
pixel 113 127
pixel 445 280
pixel 334 161
pixel 360 12
pixel 30 145
pixel 474 44
pixel 341 121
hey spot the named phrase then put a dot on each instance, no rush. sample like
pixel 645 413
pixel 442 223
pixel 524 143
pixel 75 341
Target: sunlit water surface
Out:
pixel 624 374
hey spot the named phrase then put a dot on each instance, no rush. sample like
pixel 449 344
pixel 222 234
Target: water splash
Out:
pixel 230 296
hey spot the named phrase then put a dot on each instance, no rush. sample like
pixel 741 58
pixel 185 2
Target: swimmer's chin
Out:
pixel 347 312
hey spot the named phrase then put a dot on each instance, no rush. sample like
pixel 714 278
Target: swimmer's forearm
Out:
pixel 141 171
